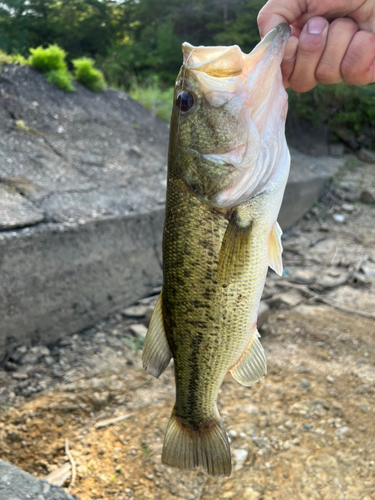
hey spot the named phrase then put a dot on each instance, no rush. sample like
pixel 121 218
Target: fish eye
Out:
pixel 185 101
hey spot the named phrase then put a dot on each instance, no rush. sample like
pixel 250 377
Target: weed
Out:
pixel 134 343
pixel 86 74
pixel 146 449
pixel 62 79
pixel 50 59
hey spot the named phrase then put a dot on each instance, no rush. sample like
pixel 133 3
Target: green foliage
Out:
pixel 143 38
pixel 12 59
pixel 50 59
pixel 62 79
pixel 86 74
pixel 338 106
pixel 153 97
pixel 51 62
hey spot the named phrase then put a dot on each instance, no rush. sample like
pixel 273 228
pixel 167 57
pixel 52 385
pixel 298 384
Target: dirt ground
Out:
pixel 307 431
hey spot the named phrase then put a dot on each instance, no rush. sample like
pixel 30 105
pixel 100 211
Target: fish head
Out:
pixel 228 106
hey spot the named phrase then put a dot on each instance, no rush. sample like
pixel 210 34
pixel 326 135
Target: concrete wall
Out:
pixel 58 279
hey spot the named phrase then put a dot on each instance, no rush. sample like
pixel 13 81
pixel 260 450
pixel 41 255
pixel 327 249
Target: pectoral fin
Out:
pixel 252 365
pixel 156 351
pixel 235 248
pixel 275 249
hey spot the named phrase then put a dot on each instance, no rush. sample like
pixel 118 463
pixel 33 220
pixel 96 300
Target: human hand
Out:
pixel 319 51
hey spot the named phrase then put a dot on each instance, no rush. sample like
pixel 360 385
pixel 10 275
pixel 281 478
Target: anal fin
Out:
pixel 156 351
pixel 252 365
pixel 275 249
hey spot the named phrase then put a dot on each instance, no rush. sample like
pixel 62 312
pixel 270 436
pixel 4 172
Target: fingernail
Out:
pixel 316 26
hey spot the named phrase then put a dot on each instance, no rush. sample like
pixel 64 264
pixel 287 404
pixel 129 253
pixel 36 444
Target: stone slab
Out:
pixel 16 211
pixel 15 484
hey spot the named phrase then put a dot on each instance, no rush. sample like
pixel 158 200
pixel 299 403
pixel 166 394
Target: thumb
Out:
pixel 276 12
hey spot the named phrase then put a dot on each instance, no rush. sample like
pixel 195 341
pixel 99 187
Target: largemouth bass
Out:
pixel 227 170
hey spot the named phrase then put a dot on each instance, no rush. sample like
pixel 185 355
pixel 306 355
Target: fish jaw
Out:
pixel 247 91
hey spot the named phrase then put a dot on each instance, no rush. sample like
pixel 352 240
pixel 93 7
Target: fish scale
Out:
pixel 227 170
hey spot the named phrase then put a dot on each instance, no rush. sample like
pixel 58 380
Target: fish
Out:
pixel 228 165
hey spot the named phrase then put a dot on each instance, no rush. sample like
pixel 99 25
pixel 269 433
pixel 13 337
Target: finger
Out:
pixel 311 45
pixel 276 12
pixel 288 62
pixel 340 34
pixel 358 65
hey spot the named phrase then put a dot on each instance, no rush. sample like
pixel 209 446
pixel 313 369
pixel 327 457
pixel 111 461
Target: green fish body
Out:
pixel 226 177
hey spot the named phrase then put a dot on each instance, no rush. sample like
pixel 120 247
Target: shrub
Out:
pixel 50 59
pixel 338 106
pixel 86 74
pixel 62 79
pixel 12 59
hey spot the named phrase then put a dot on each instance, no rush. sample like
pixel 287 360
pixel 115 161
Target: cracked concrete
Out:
pixel 82 188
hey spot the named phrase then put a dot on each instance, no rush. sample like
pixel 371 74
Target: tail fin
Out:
pixel 187 448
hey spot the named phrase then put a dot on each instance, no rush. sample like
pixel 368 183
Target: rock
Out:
pixel 342 431
pixel 100 399
pixel 135 311
pixel 363 407
pixel 360 278
pixel 289 424
pixel 305 384
pixel 296 441
pixel 347 207
pixel 367 196
pixel 240 457
pixel 49 360
pixel 252 409
pixel 250 494
pixel 17 211
pixel 369 270
pixel 366 155
pixel 339 218
pixel 263 313
pixel 16 484
pixel 324 228
pixel 136 151
pixel 232 434
pixel 289 299
pixel 336 149
pixel 286 445
pixel 10 367
pixel 330 379
pixel 261 442
pixel 303 277
pixel 20 376
pixel 348 139
pixel 35 354
pixel 91 159
pixel 18 354
pixel 138 330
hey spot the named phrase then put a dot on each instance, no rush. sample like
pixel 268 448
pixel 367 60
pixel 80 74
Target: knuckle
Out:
pixel 325 74
pixel 343 23
pixel 301 86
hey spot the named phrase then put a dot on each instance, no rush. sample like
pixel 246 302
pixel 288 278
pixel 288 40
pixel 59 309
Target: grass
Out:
pixel 151 95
